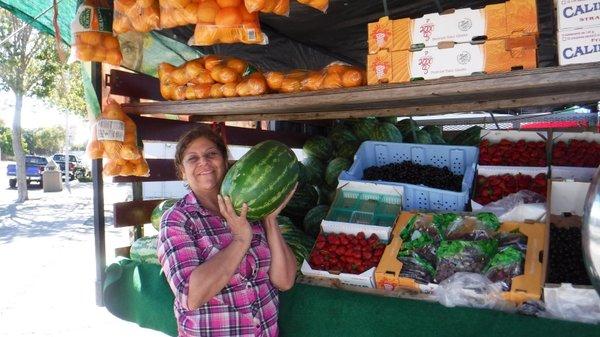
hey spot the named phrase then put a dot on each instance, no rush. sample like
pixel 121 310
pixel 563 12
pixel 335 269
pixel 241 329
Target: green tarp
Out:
pixel 139 293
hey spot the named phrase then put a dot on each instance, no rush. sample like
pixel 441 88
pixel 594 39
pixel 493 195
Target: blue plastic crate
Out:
pixel 459 159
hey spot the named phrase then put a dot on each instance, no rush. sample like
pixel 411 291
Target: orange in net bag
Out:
pixel 335 75
pixel 114 136
pixel 92 34
pixel 226 21
pixel 279 7
pixel 321 5
pixel 211 76
pixel 136 15
pixel 174 13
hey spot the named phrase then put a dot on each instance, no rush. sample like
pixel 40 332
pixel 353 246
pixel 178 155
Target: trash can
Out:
pixel 52 178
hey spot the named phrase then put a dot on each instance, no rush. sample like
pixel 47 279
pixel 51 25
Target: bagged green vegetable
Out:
pixel 514 239
pixel 416 268
pixel 432 224
pixel 463 256
pixel 423 245
pixel 504 266
pixel 481 227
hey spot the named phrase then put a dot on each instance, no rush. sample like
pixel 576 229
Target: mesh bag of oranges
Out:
pixel 321 5
pixel 209 77
pixel 114 137
pixel 279 7
pixel 174 13
pixel 136 15
pixel 226 21
pixel 335 75
pixel 92 34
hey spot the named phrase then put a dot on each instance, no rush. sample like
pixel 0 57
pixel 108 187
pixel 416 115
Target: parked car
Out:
pixel 76 168
pixel 35 166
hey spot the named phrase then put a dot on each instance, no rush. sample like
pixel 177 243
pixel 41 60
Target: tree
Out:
pixel 26 70
pixel 48 141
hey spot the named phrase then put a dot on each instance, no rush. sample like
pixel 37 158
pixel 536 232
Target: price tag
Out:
pixel 110 129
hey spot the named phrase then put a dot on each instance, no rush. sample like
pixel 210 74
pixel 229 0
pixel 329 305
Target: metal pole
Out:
pixel 99 223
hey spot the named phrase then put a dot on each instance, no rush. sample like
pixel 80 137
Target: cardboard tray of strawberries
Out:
pixel 496 182
pixel 513 148
pixel 575 155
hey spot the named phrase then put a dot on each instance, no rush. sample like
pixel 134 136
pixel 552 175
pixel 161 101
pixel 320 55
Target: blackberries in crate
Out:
pixel 408 172
pixel 565 262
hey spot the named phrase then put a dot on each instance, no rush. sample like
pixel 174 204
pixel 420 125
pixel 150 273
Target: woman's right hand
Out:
pixel 240 227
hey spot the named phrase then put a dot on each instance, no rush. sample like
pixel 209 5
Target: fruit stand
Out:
pixel 370 290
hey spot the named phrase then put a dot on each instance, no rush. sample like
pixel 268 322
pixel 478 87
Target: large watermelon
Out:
pixel 334 168
pixel 387 132
pixel 423 137
pixel 347 150
pixel 364 128
pixel 144 250
pixel 435 132
pixel 468 137
pixel 262 178
pixel 326 194
pixel 340 135
pixel 406 127
pixel 315 170
pixel 312 220
pixel 302 174
pixel 318 147
pixel 159 210
pixel 305 198
pixel 391 119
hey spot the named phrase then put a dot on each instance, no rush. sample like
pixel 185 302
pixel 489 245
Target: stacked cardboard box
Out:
pixel 578 31
pixel 496 38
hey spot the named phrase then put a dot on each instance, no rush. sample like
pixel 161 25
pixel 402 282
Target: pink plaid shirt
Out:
pixel 247 306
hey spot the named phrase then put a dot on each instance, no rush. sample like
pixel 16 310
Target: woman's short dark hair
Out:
pixel 190 136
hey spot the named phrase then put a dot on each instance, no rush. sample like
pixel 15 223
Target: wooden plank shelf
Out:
pixel 543 87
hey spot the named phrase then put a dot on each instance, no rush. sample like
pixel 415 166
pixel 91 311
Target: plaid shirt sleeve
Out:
pixel 177 253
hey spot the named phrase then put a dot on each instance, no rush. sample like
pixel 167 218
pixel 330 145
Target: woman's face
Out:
pixel 203 166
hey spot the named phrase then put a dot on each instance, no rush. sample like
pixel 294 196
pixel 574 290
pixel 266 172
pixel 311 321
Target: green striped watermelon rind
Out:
pixel 334 168
pixel 312 220
pixel 315 170
pixel 387 132
pixel 144 250
pixel 262 178
pixel 159 210
pixel 305 198
pixel 318 147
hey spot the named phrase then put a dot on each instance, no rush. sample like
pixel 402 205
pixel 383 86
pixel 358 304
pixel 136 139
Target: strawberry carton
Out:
pixel 513 148
pixel 346 254
pixel 496 182
pixel 575 155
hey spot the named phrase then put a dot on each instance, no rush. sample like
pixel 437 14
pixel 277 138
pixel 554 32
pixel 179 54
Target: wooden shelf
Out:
pixel 541 87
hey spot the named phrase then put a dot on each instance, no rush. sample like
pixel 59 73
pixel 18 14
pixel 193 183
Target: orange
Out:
pixel 99 54
pixel 179 93
pixel 257 84
pixel 211 61
pixel 254 5
pixel 319 4
pixel 94 149
pixel 332 81
pixel 123 5
pixel 202 90
pixel 312 81
pixel 166 18
pixel 336 67
pixel 352 78
pixel 129 151
pixel 110 168
pixel 290 85
pixel 229 89
pixel 229 16
pixel 121 24
pixel 204 35
pixel 216 90
pixel 166 91
pixel 269 6
pixel 110 42
pixel 224 75
pixel 180 17
pixel 248 17
pixel 175 3
pixel 236 64
pixel 84 52
pixel 203 78
pixel 146 3
pixel 164 70
pixel 179 77
pixel 274 79
pixel 207 10
pixel 112 148
pixel 193 68
pixel 91 38
pixel 282 7
pixel 229 3
pixel 141 168
pixel 189 92
pixel 242 89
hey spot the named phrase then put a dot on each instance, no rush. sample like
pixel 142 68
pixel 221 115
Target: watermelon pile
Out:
pixel 299 243
pixel 159 210
pixel 144 250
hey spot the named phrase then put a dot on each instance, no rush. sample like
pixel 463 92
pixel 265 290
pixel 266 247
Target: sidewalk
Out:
pixel 48 263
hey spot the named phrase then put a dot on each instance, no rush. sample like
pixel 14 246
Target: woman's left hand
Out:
pixel 275 213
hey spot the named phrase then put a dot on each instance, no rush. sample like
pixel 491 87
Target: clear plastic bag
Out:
pixel 174 13
pixel 92 34
pixel 463 256
pixel 432 224
pixel 472 290
pixel 518 206
pixel 278 7
pixel 505 265
pixel 321 5
pixel 136 15
pixel 573 304
pixel 114 136
pixel 333 76
pixel 483 226
pixel 513 239
pixel 415 267
pixel 423 245
pixel 226 21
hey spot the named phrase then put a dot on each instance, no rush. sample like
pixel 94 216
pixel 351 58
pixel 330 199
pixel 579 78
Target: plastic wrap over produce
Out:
pixel 136 15
pixel 174 13
pixel 92 34
pixel 210 77
pixel 226 21
pixel 279 7
pixel 321 5
pixel 472 290
pixel 335 75
pixel 520 206
pixel 114 137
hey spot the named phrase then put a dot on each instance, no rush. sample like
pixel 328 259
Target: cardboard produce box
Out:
pixel 577 13
pixel 576 173
pixel 527 286
pixel 579 45
pixel 464 59
pixel 499 21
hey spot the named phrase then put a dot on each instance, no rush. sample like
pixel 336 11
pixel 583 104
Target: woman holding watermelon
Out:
pixel 225 271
